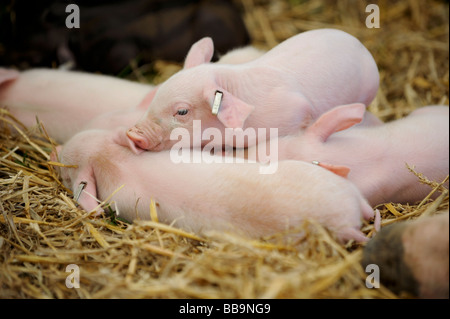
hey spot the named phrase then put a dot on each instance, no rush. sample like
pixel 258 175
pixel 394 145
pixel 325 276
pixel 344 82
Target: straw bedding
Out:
pixel 42 231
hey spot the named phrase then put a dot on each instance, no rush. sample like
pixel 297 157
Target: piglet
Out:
pixel 241 55
pixel 286 88
pixel 412 256
pixel 66 101
pixel 375 157
pixel 127 116
pixel 201 196
pixel 7 75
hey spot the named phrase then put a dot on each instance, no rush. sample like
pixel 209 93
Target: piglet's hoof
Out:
pixel 413 256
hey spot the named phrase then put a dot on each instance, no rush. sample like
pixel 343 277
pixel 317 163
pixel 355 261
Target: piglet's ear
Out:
pixel 201 52
pixel 147 99
pixel 337 119
pixel 233 111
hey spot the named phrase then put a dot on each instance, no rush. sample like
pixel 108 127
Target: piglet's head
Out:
pixel 169 109
pixel 187 96
pixel 78 155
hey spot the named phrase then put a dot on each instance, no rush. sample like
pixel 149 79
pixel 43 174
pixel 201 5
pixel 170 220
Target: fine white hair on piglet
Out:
pixel 241 55
pixel 204 196
pixel 371 155
pixel 285 88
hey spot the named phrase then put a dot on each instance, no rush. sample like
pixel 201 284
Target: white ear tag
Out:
pixel 216 104
pixel 80 188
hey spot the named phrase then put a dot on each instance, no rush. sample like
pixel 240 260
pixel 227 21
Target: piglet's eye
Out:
pixel 182 112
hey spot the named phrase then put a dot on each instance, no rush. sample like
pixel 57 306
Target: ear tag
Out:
pixel 217 101
pixel 78 191
pixel 337 169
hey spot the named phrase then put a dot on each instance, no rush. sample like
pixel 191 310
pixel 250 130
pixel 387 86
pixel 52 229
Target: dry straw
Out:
pixel 42 230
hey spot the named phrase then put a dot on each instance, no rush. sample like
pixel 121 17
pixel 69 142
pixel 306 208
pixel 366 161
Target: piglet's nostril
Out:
pixel 141 144
pixel 138 140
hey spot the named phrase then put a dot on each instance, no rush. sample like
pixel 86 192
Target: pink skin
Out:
pixel 113 119
pixel 374 157
pixel 65 101
pixel 241 55
pixel 197 196
pixel 288 87
pixel 68 102
pixel 7 75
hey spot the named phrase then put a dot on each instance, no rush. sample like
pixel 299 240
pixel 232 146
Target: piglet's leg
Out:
pixel 354 232
pixel 88 196
pixel 367 211
pixel 351 233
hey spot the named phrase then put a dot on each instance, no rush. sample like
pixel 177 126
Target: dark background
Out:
pixel 114 32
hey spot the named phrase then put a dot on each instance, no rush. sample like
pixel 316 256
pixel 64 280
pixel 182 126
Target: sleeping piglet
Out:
pixel 66 101
pixel 241 55
pixel 286 88
pixel 375 157
pixel 200 196
pixel 130 115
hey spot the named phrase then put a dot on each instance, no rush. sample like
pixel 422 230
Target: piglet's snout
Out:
pixel 145 139
pixel 138 138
